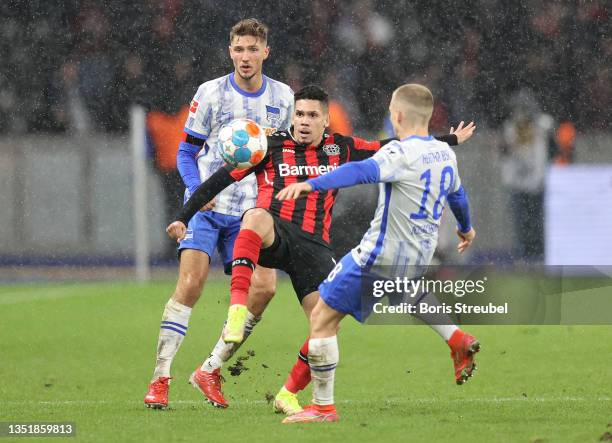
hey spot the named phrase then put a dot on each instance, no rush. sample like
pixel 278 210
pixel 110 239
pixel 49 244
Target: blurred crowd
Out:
pixel 77 65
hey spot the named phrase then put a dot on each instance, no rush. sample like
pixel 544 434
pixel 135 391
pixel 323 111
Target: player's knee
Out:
pixel 191 283
pixel 315 317
pixel 257 219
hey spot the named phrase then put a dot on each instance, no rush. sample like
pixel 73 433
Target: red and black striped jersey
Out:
pixel 289 162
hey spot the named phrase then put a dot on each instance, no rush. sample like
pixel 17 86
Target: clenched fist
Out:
pixel 176 230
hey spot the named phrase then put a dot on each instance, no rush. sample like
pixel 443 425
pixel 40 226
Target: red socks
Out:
pixel 300 373
pixel 246 255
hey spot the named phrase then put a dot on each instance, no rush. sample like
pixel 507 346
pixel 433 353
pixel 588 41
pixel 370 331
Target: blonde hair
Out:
pixel 414 101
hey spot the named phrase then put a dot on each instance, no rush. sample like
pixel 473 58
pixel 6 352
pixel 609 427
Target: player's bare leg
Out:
pixel 286 400
pixel 193 270
pixel 263 287
pixel 323 357
pixel 256 233
pixel 207 377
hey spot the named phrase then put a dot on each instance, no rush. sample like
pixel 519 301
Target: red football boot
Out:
pixel 314 414
pixel 157 397
pixel 209 384
pixel 463 347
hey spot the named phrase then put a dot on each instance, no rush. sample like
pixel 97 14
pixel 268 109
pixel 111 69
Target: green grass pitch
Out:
pixel 85 353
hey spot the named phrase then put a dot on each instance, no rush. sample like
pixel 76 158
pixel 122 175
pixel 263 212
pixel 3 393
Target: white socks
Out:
pixel 222 351
pixel 445 331
pixel 323 357
pixel 175 321
pixel 173 329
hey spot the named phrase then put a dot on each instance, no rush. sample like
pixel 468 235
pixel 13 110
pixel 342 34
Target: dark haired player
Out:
pixel 290 235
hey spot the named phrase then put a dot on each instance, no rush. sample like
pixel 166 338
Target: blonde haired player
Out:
pixel 417 175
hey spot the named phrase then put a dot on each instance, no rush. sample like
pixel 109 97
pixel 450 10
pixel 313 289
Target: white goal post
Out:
pixel 140 227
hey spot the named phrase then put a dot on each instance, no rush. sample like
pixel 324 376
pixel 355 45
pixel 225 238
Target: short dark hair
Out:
pixel 249 26
pixel 312 92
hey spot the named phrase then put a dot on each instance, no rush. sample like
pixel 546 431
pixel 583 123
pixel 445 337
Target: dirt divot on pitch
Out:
pixel 239 367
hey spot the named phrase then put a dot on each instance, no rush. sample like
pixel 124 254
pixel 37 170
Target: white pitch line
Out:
pixel 388 401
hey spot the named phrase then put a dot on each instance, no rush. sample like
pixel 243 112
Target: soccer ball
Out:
pixel 243 143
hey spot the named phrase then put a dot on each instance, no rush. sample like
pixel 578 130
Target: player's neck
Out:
pixel 419 131
pixel 253 84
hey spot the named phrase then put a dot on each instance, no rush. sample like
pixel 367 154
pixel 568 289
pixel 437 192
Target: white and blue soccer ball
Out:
pixel 243 143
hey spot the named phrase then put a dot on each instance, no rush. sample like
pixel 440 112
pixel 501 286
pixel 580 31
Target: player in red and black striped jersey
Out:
pixel 288 161
pixel 289 235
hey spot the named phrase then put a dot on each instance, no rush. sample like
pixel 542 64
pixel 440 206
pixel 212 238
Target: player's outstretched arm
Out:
pixel 203 195
pixel 361 149
pixel 349 174
pixel 463 133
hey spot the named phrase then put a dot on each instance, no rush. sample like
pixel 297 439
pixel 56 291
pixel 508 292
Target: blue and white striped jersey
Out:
pixel 416 176
pixel 219 101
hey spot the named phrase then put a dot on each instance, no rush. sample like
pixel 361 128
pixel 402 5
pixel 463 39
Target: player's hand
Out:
pixel 463 133
pixel 176 230
pixel 466 240
pixel 208 206
pixel 294 191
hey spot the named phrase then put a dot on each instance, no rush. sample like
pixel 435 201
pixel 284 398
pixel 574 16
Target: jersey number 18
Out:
pixel 444 191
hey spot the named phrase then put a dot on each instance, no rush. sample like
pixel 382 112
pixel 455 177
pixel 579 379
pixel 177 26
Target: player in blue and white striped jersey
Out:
pixel 417 175
pixel 216 103
pixel 245 93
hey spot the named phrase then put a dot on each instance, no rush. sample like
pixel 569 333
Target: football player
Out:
pixel 244 93
pixel 417 175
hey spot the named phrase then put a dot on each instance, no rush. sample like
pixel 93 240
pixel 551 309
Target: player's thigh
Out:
pixel 202 234
pixel 311 262
pixel 342 290
pixel 277 254
pixel 195 251
pixel 227 237
pixel 193 271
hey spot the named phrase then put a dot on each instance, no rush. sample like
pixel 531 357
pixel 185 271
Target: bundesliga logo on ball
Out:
pixel 243 143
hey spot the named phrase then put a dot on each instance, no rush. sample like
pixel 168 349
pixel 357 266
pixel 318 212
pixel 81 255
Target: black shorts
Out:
pixel 307 261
